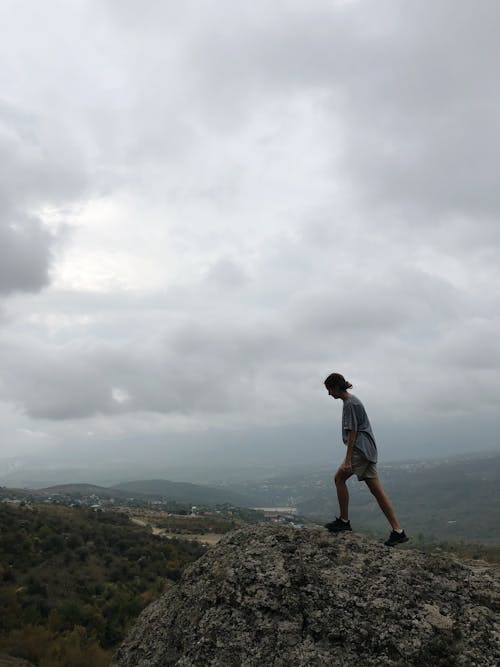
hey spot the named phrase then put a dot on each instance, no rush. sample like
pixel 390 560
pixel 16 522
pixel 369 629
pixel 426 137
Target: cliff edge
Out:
pixel 281 596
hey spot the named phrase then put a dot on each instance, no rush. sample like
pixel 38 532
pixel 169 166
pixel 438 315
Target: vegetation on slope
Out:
pixel 72 581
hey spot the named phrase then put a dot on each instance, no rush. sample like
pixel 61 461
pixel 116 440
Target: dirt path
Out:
pixel 204 538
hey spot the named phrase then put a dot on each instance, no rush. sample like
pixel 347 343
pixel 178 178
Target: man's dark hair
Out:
pixel 337 380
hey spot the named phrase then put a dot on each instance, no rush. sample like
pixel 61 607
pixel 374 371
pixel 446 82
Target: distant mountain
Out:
pixel 183 492
pixel 82 490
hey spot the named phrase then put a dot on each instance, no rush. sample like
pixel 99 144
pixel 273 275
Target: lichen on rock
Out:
pixel 281 596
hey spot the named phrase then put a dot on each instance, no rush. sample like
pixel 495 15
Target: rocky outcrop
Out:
pixel 286 596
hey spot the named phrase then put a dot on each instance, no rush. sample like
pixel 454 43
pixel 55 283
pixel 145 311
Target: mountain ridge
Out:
pixel 154 488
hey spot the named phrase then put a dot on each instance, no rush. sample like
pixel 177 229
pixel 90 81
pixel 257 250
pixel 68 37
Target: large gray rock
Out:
pixel 285 596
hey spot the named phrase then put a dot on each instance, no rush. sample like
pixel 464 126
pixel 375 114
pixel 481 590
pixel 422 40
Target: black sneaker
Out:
pixel 396 538
pixel 338 526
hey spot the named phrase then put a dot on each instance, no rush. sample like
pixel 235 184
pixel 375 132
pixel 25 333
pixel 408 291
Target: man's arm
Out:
pixel 351 440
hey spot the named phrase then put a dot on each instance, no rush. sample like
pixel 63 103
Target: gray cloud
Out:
pixel 229 358
pixel 40 170
pixel 25 255
pixel 307 189
pixel 414 95
pixel 430 142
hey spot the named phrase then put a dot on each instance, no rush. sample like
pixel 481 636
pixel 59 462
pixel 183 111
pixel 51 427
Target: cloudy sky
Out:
pixel 207 207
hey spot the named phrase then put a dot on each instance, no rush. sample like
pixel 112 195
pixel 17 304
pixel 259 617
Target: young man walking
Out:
pixel 360 458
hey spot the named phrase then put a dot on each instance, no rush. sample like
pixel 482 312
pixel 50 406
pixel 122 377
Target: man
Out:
pixel 360 458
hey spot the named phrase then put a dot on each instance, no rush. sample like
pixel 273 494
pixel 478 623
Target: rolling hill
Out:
pixel 182 492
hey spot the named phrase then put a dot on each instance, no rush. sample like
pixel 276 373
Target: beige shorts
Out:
pixel 362 467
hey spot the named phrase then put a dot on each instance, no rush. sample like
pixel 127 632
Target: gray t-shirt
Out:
pixel 354 418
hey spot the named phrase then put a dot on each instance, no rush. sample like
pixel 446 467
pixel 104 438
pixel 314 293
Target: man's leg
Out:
pixel 375 487
pixel 341 478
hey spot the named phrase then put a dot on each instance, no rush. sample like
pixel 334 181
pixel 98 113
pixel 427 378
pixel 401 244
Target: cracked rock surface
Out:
pixel 282 596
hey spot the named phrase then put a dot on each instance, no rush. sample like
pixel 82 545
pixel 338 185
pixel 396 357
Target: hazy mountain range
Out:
pixel 446 499
pixel 179 492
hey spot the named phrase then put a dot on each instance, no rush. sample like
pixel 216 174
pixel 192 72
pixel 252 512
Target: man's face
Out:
pixel 334 392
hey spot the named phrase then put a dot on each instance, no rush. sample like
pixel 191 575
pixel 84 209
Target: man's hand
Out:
pixel 347 466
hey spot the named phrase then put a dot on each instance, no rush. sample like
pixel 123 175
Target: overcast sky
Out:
pixel 207 207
